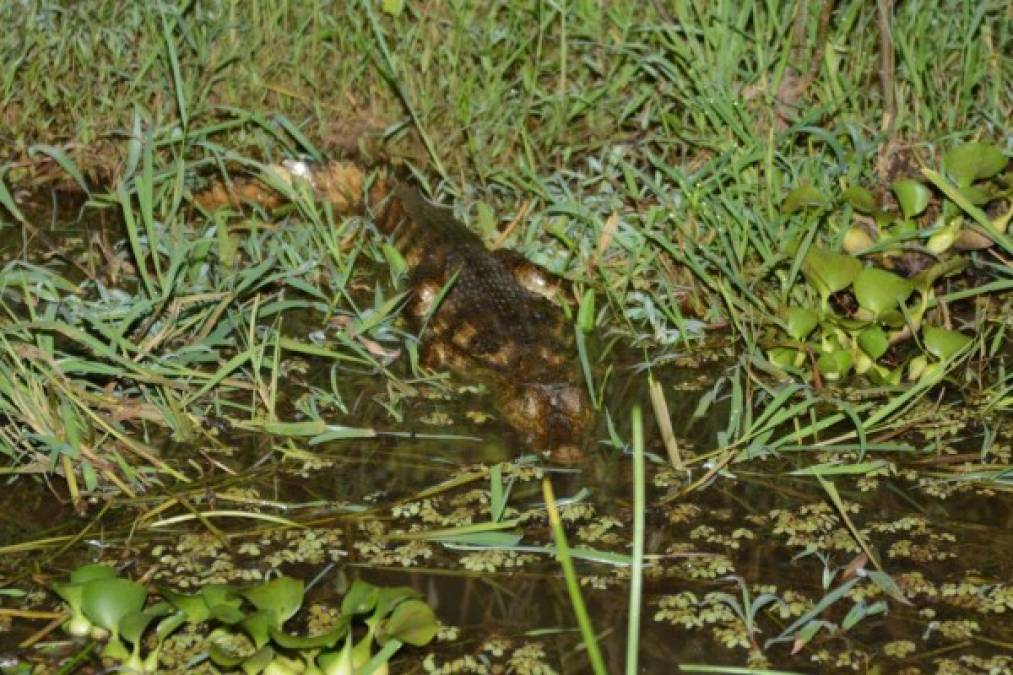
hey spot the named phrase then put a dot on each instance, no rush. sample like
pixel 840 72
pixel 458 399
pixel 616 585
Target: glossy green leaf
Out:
pixel 829 272
pixel 784 357
pixel 943 343
pixel 338 663
pixel 802 196
pixel 800 322
pixel 132 626
pixel 857 240
pixel 169 624
pixel 878 290
pixel 360 598
pixel 912 195
pixel 412 622
pixel 975 195
pixel 943 238
pixel 107 601
pixel 973 161
pixel 916 366
pixel 391 597
pixel 903 229
pixel 835 365
pixel 260 661
pixel 193 606
pixel 873 341
pixel 258 626
pixel 283 596
pixel 861 199
pixel 323 640
pixel 91 572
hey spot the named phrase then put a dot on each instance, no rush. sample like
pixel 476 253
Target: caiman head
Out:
pixel 555 418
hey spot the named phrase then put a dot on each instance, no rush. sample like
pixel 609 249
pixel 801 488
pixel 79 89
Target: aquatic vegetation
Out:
pixel 250 632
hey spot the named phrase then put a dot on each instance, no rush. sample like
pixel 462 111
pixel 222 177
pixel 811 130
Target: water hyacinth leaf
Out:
pixel 193 607
pixel 912 195
pixel 943 343
pixel 835 365
pixel 412 621
pixel 800 322
pixel 878 290
pixel 107 601
pixel 260 661
pixel 92 572
pixel 943 238
pixel 785 357
pixel 975 195
pixel 893 318
pixel 78 625
pixel 802 196
pixel 829 272
pixel 283 596
pixel 360 598
pixel 132 626
pixel 221 594
pixel 169 624
pixel 220 650
pixel 226 614
pixel 973 161
pixel 874 341
pixel 916 367
pixel 258 626
pixel 389 598
pixel 932 373
pixel 856 240
pixel 323 640
pixel 903 229
pixel 337 663
pixel 861 199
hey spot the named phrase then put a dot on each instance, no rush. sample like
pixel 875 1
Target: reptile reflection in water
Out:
pixel 494 323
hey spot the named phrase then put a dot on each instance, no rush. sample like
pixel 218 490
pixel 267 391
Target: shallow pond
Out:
pixel 751 544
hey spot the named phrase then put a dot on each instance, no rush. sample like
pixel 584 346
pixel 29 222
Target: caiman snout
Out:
pixel 554 417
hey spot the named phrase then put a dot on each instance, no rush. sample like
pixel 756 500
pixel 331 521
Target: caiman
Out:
pixel 496 323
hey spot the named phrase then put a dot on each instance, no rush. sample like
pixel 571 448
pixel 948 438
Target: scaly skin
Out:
pixel 494 325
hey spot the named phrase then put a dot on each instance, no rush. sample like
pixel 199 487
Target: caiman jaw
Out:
pixel 555 418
